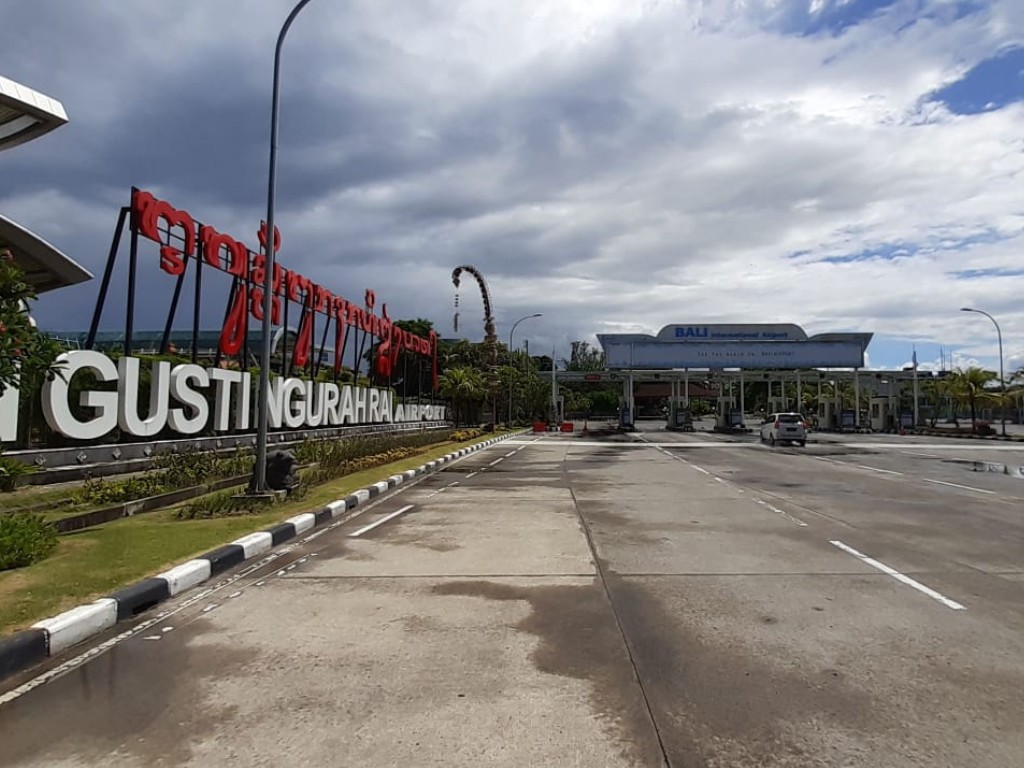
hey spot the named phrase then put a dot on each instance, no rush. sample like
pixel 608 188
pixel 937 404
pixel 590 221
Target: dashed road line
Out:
pixel 781 512
pixel 900 577
pixel 957 485
pixel 879 469
pixel 496 461
pixel 383 520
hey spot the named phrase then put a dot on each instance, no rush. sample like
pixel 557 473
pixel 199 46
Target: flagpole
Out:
pixel 554 387
pixel 916 398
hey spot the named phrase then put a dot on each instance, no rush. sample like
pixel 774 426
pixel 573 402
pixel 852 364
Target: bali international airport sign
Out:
pixel 189 398
pixel 768 346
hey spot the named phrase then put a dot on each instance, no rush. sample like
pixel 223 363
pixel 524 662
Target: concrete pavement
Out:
pixel 644 600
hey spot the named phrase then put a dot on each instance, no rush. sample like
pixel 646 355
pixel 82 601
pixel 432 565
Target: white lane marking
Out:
pixel 209 608
pixel 719 480
pixel 97 650
pixel 957 485
pixel 781 512
pixel 235 594
pixel 923 455
pixel 510 453
pixel 878 469
pixel 502 458
pixel 383 520
pixel 167 629
pixel 151 637
pixel 900 577
pixel 472 474
pixel 700 469
pixel 452 484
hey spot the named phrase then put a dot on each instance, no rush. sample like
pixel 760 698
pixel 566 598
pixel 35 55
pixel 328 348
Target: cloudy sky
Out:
pixel 618 165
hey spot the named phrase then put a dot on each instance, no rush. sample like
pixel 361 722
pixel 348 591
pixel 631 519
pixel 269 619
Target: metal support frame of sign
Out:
pixel 187 247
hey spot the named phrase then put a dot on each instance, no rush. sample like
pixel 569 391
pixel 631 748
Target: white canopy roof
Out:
pixel 26 114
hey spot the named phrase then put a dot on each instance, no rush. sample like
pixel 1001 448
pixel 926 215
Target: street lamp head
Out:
pixel 967 309
pixel 539 314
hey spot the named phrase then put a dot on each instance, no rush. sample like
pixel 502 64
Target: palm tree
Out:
pixel 464 386
pixel 969 386
pixel 1016 392
pixel 937 392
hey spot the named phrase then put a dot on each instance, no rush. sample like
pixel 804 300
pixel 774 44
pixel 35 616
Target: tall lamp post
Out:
pixel 1002 379
pixel 259 480
pixel 511 382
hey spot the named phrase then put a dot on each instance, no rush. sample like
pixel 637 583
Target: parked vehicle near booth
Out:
pixel 784 427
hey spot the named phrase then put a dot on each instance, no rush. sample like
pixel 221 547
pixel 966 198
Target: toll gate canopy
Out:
pixel 755 346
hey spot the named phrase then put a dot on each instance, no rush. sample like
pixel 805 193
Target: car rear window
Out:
pixel 790 418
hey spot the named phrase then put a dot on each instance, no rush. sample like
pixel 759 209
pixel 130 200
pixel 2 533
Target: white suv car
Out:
pixel 789 427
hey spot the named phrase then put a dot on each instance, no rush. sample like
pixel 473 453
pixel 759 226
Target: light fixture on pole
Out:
pixel 259 479
pixel 1002 379
pixel 511 382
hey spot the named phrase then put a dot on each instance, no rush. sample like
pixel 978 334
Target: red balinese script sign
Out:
pixel 162 223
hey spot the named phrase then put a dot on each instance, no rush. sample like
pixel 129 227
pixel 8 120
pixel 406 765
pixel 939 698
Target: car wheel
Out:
pixel 771 440
pixel 801 443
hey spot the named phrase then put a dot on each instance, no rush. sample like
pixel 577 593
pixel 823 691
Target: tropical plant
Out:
pixel 10 471
pixel 464 387
pixel 25 539
pixel 26 355
pixel 585 358
pixel 937 392
pixel 969 387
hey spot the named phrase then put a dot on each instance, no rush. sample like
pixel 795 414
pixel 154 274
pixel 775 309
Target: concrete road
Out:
pixel 645 600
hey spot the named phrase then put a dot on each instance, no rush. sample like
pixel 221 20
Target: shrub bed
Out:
pixel 329 460
pixel 172 472
pixel 25 539
pixel 10 471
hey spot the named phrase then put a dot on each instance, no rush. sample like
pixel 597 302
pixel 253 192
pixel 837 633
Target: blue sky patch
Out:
pixel 835 18
pixel 992 84
pixel 884 253
pixel 974 274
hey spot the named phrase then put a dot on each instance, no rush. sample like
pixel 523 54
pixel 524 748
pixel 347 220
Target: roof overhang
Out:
pixel 26 114
pixel 45 267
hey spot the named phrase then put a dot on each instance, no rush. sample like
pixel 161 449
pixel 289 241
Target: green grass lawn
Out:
pixel 94 562
pixel 54 503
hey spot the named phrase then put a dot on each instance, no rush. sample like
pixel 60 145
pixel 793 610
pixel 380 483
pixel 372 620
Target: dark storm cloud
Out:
pixel 604 163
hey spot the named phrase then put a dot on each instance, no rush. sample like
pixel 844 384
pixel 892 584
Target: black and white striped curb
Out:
pixel 52 636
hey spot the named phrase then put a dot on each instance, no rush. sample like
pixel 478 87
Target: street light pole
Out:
pixel 1002 378
pixel 511 382
pixel 259 480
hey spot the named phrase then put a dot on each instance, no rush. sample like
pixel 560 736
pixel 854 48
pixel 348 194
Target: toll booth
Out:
pixel 827 416
pixel 882 416
pixel 625 415
pixel 679 415
pixel 729 415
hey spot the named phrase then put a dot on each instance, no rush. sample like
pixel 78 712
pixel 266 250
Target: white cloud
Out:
pixel 613 165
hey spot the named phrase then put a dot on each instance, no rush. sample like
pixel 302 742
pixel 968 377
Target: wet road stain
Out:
pixel 718 704
pixel 141 701
pixel 578 638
